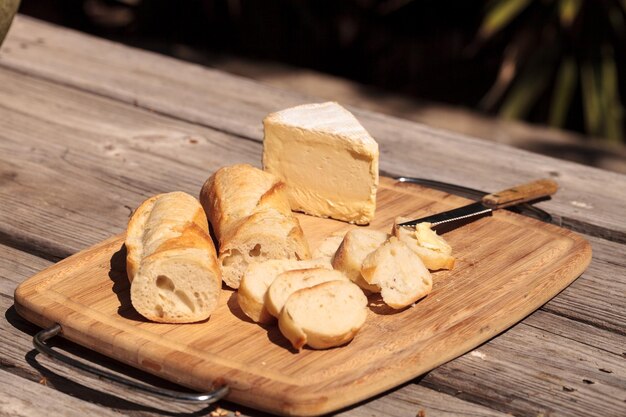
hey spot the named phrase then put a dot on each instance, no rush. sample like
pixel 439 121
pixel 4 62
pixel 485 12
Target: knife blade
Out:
pixel 505 198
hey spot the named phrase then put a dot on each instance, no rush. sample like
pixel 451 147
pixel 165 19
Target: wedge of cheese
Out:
pixel 326 158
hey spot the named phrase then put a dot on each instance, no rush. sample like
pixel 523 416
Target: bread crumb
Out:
pixel 478 354
pixel 581 204
pixel 421 413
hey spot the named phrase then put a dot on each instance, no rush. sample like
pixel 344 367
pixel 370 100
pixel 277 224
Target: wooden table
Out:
pixel 90 128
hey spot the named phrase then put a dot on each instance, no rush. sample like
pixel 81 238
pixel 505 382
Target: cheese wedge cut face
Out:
pixel 327 159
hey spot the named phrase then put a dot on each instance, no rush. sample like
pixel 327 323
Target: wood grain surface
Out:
pixel 508 266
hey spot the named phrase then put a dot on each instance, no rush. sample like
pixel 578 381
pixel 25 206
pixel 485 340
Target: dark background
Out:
pixel 436 50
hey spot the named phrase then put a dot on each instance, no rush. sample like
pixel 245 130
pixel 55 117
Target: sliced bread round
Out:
pixel 258 278
pixel 356 245
pixel 289 282
pixel 399 272
pixel 323 316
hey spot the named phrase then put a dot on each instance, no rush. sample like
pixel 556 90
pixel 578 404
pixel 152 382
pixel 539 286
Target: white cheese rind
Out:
pixel 327 159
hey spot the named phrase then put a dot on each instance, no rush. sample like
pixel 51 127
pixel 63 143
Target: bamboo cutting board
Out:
pixel 507 267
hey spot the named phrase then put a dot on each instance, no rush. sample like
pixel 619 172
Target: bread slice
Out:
pixel 328 247
pixel 258 278
pixel 171 261
pixel 432 249
pixel 323 316
pixel 356 245
pixel 399 272
pixel 289 282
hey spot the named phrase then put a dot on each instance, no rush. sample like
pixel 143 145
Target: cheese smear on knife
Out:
pixel 327 159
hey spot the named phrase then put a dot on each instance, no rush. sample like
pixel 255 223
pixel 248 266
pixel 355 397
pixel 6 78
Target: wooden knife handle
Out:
pixel 521 194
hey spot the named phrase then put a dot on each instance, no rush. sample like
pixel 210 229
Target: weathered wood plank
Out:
pixel 74 165
pixel 530 372
pixel 23 398
pixel 85 162
pixel 236 105
pixel 578 331
pixel 598 297
pixel 415 401
pixel 16 266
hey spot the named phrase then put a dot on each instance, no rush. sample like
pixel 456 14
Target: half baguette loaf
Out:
pixel 323 316
pixel 289 282
pixel 250 215
pixel 258 278
pixel 399 272
pixel 171 261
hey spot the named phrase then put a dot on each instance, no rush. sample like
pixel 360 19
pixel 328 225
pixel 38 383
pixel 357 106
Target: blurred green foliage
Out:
pixel 554 50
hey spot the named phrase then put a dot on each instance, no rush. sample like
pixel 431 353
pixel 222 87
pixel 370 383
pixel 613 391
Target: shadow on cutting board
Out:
pixel 273 332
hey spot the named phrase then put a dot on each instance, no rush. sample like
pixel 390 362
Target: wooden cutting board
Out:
pixel 507 267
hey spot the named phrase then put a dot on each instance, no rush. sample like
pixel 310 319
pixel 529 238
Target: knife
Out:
pixel 506 198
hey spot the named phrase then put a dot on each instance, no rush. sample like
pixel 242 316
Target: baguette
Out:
pixel 432 249
pixel 289 282
pixel 399 272
pixel 258 278
pixel 252 220
pixel 356 245
pixel 323 316
pixel 171 261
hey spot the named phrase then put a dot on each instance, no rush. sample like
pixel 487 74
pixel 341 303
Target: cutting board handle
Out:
pixel 39 341
pixel 521 193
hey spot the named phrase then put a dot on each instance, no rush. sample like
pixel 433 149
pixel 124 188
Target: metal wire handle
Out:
pixel 524 209
pixel 39 341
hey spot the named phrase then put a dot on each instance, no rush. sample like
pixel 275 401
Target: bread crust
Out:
pixel 250 215
pixel 171 261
